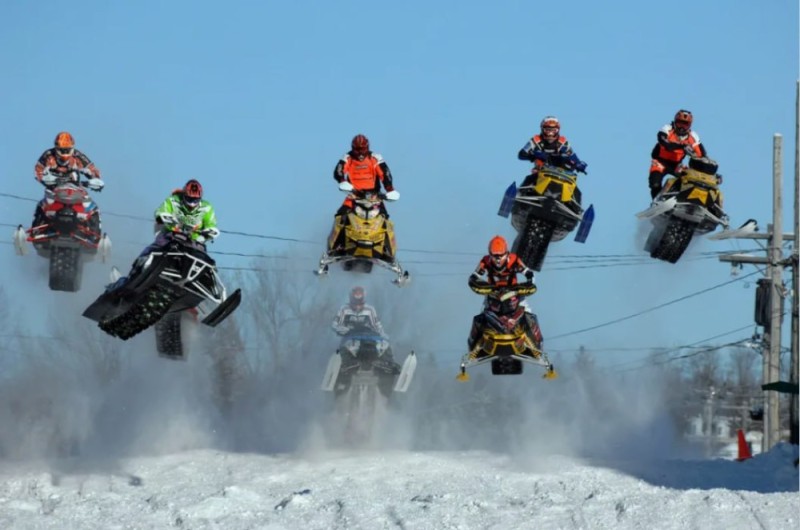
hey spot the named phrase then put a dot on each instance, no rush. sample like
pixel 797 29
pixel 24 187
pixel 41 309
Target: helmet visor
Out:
pixel 64 152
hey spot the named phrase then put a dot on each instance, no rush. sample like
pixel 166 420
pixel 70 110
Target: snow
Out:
pixel 323 489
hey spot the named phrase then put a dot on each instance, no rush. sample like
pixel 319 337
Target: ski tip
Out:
pixel 463 377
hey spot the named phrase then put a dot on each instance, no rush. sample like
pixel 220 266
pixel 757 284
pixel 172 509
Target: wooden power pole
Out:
pixel 772 295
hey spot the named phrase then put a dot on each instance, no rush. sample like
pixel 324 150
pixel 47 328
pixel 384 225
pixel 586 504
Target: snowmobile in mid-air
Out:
pixel 173 276
pixel 545 208
pixel 71 233
pixel 689 204
pixel 506 340
pixel 363 374
pixel 367 353
pixel 368 237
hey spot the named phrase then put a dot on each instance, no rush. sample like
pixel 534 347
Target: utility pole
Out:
pixel 795 365
pixel 772 295
pixel 772 361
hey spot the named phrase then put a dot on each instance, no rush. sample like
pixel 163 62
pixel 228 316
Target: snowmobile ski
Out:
pixel 332 372
pixel 586 225
pixel 406 373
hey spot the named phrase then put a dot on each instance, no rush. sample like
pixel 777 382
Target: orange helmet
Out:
pixel 550 128
pixel 682 122
pixel 358 297
pixel 360 145
pixel 498 250
pixel 192 194
pixel 64 144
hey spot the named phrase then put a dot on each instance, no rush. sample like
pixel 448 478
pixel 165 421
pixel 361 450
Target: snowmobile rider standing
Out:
pixel 357 314
pixel 500 268
pixel 675 141
pixel 60 160
pixel 549 147
pixel 360 170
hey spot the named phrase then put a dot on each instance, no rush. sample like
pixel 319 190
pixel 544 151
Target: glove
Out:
pixel 48 179
pixel 96 184
pixel 167 219
pixel 540 155
pixel 529 275
pixel 392 195
pixel 210 233
pixel 580 166
pixel 345 186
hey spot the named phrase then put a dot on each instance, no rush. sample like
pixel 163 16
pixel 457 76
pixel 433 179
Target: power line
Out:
pixel 665 304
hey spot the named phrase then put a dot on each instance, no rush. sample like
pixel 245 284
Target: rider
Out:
pixel 59 160
pixel 675 141
pixel 500 267
pixel 364 171
pixel 357 314
pixel 184 210
pixel 549 147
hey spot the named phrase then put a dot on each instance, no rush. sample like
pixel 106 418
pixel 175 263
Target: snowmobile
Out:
pixel 545 208
pixel 177 274
pixel 71 234
pixel 365 355
pixel 689 204
pixel 368 237
pixel 363 375
pixel 505 341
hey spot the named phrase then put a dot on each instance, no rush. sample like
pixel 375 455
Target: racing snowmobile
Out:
pixel 545 208
pixel 689 204
pixel 363 375
pixel 509 335
pixel 70 234
pixel 175 275
pixel 368 237
pixel 365 356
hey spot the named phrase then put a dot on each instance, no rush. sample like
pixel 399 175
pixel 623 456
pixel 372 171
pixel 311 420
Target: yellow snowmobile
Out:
pixel 368 237
pixel 510 336
pixel 689 204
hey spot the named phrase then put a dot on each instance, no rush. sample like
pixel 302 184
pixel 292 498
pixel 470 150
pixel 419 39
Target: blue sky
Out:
pixel 258 100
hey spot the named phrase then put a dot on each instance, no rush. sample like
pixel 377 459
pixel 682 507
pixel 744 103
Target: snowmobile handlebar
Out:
pixel 52 179
pixel 485 288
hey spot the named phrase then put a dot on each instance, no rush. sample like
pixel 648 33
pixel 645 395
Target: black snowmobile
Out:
pixel 175 276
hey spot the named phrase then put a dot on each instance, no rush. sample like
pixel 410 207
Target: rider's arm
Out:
pixel 338 322
pixel 526 153
pixel 519 267
pixel 167 208
pixel 338 171
pixel 374 322
pixel 384 173
pixel 41 165
pixel 663 139
pixel 476 280
pixel 87 165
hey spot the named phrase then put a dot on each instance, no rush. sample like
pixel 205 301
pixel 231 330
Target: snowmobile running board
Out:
pixel 224 309
pixel 657 209
pixel 406 373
